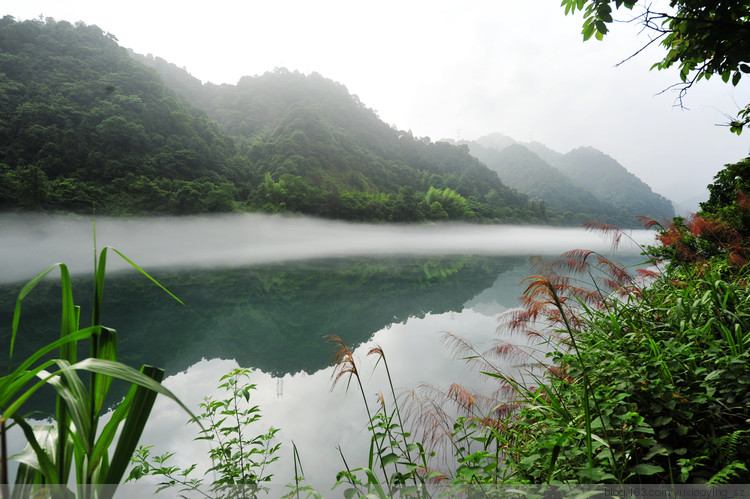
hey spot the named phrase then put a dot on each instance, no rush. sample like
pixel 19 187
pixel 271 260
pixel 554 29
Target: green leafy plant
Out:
pixel 76 442
pixel 402 461
pixel 239 458
pixel 649 387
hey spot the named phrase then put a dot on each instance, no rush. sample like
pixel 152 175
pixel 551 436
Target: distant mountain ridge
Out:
pixel 575 186
pixel 85 122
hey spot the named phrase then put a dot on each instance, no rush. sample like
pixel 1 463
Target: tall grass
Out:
pixel 642 386
pixel 402 461
pixel 77 442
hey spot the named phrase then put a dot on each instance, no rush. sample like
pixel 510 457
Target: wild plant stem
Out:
pixel 4 487
pixel 239 429
pixel 586 388
pixel 295 458
pixel 398 414
pixel 374 435
pixel 346 465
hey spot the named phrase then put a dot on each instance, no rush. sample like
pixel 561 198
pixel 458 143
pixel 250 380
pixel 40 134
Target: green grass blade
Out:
pixel 44 461
pixel 10 384
pixel 146 274
pixel 109 431
pixel 140 409
pixel 68 323
pixel 20 378
pixel 107 350
pixel 126 373
pixel 73 393
pixel 99 275
pixel 26 477
pixel 25 290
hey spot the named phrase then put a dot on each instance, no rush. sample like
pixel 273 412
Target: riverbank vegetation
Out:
pixel 646 378
pixel 637 377
pixel 80 446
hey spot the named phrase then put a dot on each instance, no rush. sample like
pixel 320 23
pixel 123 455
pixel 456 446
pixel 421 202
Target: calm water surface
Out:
pixel 262 292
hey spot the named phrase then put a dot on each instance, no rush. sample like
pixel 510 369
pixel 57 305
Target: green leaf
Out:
pixel 588 30
pixel 25 290
pixel 10 384
pixel 131 262
pixel 647 469
pixel 389 459
pixel 138 413
pixel 44 461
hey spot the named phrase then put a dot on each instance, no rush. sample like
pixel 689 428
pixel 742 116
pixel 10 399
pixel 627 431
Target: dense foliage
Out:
pixel 718 234
pixel 83 123
pixel 659 384
pixel 648 381
pixel 317 149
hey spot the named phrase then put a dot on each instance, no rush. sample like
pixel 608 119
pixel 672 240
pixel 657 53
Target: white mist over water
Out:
pixel 302 405
pixel 30 243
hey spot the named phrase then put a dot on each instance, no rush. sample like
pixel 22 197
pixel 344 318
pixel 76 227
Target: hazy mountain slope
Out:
pixel 591 170
pixel 312 128
pixel 544 152
pixel 609 180
pixel 83 123
pixel 496 141
pixel 565 202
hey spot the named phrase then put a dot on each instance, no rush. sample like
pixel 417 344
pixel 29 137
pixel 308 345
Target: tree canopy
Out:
pixel 703 38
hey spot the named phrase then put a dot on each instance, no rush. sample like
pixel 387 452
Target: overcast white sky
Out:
pixel 448 69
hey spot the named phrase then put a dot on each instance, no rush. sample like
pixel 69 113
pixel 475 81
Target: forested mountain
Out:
pixel 307 134
pixel 565 202
pixel 581 184
pixel 608 180
pixel 82 122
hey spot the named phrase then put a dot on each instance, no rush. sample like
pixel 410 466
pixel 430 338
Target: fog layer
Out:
pixel 28 244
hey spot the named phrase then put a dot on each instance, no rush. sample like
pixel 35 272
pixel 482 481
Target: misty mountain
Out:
pixel 565 202
pixel 583 183
pixel 84 122
pixel 610 181
pixel 311 128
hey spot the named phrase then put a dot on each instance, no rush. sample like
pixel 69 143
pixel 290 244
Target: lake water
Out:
pixel 261 292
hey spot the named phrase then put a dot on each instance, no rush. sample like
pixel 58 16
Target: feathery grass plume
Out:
pixel 343 362
pixel 612 231
pixel 649 223
pixel 378 351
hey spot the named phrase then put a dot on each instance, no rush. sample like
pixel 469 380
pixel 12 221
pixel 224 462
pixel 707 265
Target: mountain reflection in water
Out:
pixel 271 312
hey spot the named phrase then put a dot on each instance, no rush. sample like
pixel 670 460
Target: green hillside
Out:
pixel 582 185
pixel 83 123
pixel 314 130
pixel 565 202
pixel 610 181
